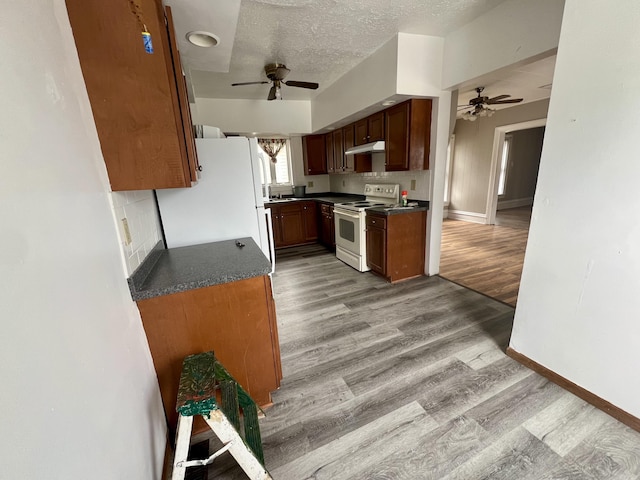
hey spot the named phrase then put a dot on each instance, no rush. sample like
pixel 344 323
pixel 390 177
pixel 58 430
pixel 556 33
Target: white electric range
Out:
pixel 351 237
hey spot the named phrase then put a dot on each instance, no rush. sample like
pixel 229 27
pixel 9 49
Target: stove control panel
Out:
pixel 390 192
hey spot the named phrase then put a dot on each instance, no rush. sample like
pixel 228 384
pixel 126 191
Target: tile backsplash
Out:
pixel 355 182
pixel 139 208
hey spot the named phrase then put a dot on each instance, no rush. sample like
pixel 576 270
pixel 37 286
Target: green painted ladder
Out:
pixel 207 389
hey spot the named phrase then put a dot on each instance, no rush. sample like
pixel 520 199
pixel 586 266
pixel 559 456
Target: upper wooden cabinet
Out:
pixel 370 129
pixel 315 155
pixel 338 151
pixel 138 99
pixel 408 135
pixel 328 142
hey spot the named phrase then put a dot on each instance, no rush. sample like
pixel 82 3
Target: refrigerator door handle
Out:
pixel 272 247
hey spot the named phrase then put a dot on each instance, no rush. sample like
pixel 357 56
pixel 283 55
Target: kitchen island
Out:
pixel 215 296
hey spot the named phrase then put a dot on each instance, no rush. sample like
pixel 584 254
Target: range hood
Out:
pixel 366 148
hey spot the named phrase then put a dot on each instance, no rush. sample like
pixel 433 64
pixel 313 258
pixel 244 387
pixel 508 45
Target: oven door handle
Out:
pixel 345 213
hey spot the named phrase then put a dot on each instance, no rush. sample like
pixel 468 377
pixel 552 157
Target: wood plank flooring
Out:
pixel 409 381
pixel 487 258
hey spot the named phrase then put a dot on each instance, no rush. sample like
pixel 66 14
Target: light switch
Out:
pixel 413 184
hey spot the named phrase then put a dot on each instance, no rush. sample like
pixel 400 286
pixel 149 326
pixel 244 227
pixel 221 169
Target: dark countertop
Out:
pixel 422 207
pixel 331 198
pixel 173 270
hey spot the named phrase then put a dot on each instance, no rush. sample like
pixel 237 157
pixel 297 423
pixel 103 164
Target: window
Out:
pixel 275 173
pixel 504 164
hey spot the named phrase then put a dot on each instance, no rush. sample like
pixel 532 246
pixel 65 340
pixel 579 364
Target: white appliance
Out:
pixel 225 204
pixel 351 237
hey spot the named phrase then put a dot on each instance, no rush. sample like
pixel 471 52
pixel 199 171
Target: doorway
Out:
pixel 488 257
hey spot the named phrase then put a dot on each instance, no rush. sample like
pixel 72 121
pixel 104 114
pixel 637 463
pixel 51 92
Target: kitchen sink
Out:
pixel 282 200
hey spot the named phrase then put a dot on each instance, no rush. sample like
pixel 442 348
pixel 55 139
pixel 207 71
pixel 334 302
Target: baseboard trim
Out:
pixel 515 203
pixel 600 403
pixel 467 216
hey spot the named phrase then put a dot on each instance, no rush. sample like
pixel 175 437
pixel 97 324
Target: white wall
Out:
pixel 368 83
pixel 514 31
pixel 578 305
pixel 79 391
pixel 286 117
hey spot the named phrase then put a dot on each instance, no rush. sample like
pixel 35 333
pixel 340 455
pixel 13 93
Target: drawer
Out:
pixel 376 221
pixel 291 207
pixel 326 209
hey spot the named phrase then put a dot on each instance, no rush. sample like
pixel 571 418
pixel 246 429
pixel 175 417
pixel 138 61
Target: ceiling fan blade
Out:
pixel 460 107
pixel 294 83
pixel 500 102
pixel 248 83
pixel 272 93
pixel 499 97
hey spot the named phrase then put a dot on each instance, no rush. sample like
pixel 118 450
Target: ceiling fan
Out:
pixel 276 72
pixel 478 107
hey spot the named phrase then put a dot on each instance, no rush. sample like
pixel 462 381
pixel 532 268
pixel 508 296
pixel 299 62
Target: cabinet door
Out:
pixel 134 95
pixel 397 137
pixel 315 155
pixel 292 224
pixel 376 248
pixel 338 151
pixel 310 217
pixel 277 227
pixel 328 141
pixel 348 139
pixel 375 125
pixel 361 132
pixel 236 320
pixel 192 167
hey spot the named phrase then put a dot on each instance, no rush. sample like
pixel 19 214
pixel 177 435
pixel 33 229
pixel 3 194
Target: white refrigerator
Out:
pixel 227 202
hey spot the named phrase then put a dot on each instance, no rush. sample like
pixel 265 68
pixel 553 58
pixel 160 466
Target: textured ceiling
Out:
pixel 319 40
pixel 531 82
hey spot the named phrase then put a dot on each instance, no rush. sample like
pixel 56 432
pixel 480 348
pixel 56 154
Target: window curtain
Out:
pixel 272 147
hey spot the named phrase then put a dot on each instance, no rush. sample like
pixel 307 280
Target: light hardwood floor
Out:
pixel 409 381
pixel 487 258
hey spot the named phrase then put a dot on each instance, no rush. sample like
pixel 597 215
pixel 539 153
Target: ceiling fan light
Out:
pixel 278 93
pixel 202 39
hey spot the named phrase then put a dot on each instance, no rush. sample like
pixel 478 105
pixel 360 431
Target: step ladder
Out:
pixel 207 389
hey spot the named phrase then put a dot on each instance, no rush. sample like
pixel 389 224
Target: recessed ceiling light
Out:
pixel 388 102
pixel 331 128
pixel 202 39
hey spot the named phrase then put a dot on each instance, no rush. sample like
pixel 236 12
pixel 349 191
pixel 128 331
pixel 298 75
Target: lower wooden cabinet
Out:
pixel 236 320
pixel 294 223
pixel 327 226
pixel 396 244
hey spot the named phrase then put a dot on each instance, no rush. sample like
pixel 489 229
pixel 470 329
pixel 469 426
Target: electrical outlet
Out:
pixel 413 184
pixel 127 233
pixel 309 184
pixel 343 183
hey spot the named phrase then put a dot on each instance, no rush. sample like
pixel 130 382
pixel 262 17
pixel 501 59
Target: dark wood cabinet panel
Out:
pixel 309 215
pixel 348 138
pixel 370 129
pixel 137 99
pixel 315 154
pixel 236 320
pixel 361 132
pixel 327 226
pixel 396 244
pixel 338 151
pixel 408 135
pixel 397 138
pixel 328 141
pixel 375 125
pixel 294 223
pixel 377 249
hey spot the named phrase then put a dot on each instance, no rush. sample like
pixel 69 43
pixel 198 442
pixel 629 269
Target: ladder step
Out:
pixel 208 389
